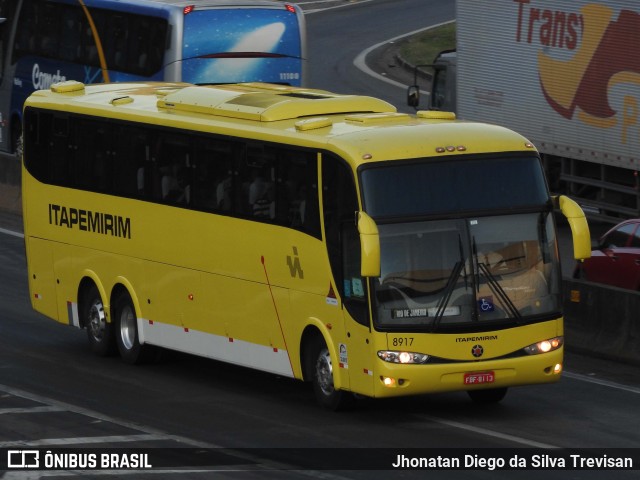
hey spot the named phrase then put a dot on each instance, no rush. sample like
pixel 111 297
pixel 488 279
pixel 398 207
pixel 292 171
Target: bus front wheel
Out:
pixel 322 376
pixel 126 327
pixel 491 395
pixel 99 331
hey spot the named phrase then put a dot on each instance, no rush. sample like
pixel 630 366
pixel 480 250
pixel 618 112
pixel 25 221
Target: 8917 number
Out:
pixel 402 341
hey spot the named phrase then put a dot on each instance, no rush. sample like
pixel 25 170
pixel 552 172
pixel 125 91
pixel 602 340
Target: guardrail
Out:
pixel 602 321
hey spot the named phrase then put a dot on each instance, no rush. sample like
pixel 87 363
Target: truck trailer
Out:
pixel 566 75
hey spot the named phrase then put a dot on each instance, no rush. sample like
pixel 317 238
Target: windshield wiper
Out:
pixel 442 304
pixel 448 291
pixel 494 285
pixel 497 289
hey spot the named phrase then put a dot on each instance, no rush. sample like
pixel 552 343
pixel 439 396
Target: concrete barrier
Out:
pixel 602 321
pixel 10 193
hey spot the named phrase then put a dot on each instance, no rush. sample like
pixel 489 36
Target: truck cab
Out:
pixel 443 83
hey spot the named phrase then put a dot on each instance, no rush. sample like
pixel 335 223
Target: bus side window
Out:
pixel 116 48
pixel 131 161
pixel 172 174
pixel 87 43
pixel 60 154
pixel 71 29
pixel 93 166
pixel 37 126
pixel 48 39
pixel 214 167
pixel 138 57
pixel 297 195
pixel 146 48
pixel 257 177
pixel 28 24
pixel 159 42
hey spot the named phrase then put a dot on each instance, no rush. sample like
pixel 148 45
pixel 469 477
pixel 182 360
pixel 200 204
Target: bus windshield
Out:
pixel 419 188
pixel 258 44
pixel 472 270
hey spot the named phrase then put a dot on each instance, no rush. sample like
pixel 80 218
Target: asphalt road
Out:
pixel 348 46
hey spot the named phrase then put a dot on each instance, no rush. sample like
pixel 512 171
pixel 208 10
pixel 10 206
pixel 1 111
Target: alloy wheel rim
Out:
pixel 127 327
pixel 324 372
pixel 97 321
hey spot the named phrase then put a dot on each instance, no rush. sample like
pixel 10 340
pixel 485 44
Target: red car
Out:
pixel 615 259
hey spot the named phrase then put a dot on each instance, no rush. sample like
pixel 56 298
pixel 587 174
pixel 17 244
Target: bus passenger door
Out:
pixel 340 205
pixel 355 294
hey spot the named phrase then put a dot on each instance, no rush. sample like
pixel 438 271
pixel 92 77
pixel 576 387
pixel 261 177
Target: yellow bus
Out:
pixel 323 237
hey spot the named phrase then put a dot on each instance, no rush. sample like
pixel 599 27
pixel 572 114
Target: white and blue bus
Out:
pixel 198 41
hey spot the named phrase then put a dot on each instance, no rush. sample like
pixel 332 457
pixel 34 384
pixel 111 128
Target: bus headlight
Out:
pixel 545 346
pixel 402 357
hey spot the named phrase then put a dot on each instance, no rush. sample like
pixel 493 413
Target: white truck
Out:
pixel 564 73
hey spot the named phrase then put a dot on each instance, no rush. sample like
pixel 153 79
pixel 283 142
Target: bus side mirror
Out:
pixel 369 246
pixel 578 224
pixel 413 96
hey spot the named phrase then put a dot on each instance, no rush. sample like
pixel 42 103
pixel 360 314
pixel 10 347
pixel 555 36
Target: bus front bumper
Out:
pixel 391 380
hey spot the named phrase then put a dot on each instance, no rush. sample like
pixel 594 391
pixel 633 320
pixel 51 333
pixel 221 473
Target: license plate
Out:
pixel 478 378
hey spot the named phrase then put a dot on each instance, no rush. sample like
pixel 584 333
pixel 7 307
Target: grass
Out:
pixel 422 48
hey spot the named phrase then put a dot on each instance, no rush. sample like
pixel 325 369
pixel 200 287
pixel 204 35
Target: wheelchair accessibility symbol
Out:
pixel 485 305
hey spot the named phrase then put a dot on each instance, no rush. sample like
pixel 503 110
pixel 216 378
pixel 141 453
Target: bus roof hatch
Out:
pixel 268 105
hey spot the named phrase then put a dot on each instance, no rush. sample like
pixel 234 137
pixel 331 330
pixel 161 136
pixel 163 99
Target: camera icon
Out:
pixel 23 459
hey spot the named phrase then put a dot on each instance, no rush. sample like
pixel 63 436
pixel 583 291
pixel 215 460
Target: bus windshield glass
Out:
pixel 473 270
pixel 258 44
pixel 427 188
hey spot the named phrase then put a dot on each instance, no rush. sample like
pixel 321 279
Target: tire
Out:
pixel 321 370
pixel 126 331
pixel 100 331
pixel 491 395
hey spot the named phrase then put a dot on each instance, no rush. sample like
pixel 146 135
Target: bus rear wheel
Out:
pixel 126 331
pixel 99 331
pixel 491 395
pixel 322 377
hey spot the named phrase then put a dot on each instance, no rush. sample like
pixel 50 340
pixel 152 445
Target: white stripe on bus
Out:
pixel 216 347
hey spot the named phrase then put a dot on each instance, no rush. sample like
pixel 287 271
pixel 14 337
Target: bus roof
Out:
pixel 362 128
pixel 178 7
pixel 195 3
